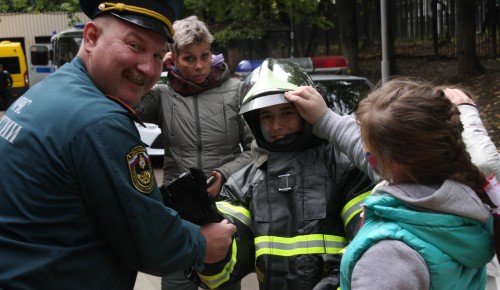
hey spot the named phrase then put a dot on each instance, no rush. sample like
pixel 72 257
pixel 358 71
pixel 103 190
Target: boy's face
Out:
pixel 278 121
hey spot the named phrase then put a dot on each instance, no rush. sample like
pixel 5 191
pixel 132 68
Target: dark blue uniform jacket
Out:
pixel 79 205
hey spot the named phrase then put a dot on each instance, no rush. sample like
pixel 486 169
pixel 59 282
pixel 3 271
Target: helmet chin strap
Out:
pixel 287 139
pixel 287 143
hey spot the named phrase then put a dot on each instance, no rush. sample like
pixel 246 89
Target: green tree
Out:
pixel 233 21
pixel 32 6
pixel 38 6
pixel 249 19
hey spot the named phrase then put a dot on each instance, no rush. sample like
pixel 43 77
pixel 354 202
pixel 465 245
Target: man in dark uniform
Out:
pixel 79 205
pixel 6 83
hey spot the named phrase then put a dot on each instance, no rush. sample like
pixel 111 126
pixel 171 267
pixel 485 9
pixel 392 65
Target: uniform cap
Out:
pixel 157 15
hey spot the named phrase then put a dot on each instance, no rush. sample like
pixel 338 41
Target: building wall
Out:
pixel 28 26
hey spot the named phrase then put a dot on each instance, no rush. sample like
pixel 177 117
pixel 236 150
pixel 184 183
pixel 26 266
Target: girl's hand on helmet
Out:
pixel 457 96
pixel 308 102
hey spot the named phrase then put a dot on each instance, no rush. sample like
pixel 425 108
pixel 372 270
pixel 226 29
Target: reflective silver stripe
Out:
pixel 353 207
pixel 216 280
pixel 238 212
pixel 299 245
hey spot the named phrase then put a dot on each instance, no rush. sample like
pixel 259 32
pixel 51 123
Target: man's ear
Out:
pixel 90 35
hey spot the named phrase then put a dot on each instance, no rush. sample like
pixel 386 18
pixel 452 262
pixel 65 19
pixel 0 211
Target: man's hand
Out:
pixel 218 238
pixel 308 102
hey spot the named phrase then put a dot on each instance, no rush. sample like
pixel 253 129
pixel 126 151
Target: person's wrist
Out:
pixel 222 179
pixel 467 104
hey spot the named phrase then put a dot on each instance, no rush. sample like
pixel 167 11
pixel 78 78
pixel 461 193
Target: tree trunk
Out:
pixel 348 33
pixel 233 55
pixel 468 63
pixel 393 23
pixel 317 33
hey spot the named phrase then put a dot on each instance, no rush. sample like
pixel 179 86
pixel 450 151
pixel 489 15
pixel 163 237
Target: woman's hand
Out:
pixel 216 184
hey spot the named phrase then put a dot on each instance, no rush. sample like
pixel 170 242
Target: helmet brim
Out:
pixel 263 102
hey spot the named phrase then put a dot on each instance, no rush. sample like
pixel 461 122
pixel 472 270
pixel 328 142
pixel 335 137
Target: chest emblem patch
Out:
pixel 141 170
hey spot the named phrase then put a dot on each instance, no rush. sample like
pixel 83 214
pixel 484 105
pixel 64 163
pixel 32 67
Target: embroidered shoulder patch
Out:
pixel 141 170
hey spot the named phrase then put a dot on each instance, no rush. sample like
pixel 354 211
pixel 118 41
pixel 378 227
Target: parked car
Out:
pixel 151 137
pixel 151 133
pixel 342 93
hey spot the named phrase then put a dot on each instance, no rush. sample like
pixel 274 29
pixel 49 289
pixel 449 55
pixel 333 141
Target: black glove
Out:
pixel 331 273
pixel 328 283
pixel 188 195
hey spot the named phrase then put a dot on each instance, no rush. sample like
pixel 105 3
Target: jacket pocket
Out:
pixel 315 192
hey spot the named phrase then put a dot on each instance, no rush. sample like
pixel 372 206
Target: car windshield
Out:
pixel 343 95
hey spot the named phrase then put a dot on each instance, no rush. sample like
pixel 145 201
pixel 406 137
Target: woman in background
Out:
pixel 198 113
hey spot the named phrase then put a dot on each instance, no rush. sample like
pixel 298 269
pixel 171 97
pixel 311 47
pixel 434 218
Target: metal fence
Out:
pixel 420 28
pixel 427 27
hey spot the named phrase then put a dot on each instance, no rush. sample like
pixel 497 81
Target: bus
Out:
pixel 46 58
pixel 65 45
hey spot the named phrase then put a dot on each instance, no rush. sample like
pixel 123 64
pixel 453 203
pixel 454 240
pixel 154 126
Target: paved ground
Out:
pixel 148 282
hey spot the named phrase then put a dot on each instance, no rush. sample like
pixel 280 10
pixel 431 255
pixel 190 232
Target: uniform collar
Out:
pixel 131 112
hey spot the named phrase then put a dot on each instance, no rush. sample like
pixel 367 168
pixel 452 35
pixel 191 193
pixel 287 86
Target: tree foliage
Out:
pixel 39 6
pixel 249 19
pixel 36 6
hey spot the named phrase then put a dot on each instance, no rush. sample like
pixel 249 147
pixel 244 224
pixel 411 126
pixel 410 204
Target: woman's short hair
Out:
pixel 188 31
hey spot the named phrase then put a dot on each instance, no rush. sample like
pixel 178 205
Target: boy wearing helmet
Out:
pixel 303 196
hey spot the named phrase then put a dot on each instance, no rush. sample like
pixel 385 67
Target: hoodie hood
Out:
pixel 449 217
pixel 451 198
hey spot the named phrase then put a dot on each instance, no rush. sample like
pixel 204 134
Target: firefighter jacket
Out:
pixel 303 207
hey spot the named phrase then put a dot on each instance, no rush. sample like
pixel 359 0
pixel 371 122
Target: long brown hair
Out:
pixel 413 123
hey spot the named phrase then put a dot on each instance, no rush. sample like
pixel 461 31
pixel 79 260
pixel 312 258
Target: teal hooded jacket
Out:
pixel 455 248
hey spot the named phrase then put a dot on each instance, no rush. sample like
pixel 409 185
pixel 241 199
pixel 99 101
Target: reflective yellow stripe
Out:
pixel 216 280
pixel 299 245
pixel 108 6
pixel 353 207
pixel 240 213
